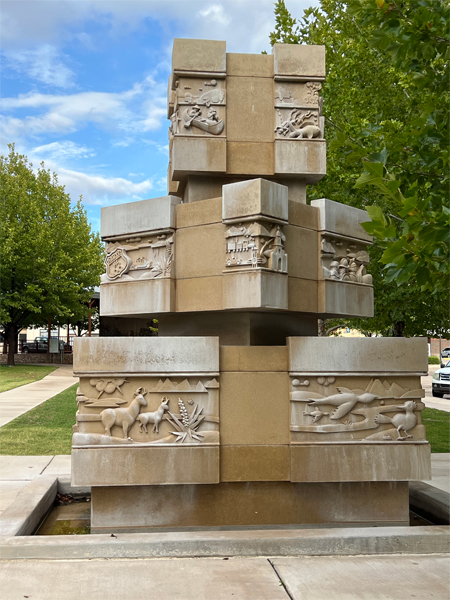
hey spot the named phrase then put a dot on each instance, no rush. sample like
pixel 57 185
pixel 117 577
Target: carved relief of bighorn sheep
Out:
pixel 153 417
pixel 123 417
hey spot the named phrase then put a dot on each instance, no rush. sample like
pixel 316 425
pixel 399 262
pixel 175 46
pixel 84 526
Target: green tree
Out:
pixel 51 260
pixel 364 94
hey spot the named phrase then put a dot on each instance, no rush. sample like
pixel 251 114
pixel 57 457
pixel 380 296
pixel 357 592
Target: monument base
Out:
pixel 134 509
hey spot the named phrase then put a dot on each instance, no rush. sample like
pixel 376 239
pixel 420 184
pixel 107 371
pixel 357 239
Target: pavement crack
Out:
pixel 288 593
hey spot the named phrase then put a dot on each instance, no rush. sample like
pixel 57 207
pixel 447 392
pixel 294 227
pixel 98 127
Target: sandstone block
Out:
pixel 199 155
pixel 204 56
pixel 299 60
pixel 249 65
pixel 253 198
pixel 255 289
pixel 339 218
pixel 137 217
pixel 255 463
pixel 137 297
pixel 305 158
pixel 343 298
pixel 250 158
pixel 249 109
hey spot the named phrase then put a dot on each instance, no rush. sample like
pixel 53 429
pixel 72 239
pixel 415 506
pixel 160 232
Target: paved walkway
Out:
pixel 14 403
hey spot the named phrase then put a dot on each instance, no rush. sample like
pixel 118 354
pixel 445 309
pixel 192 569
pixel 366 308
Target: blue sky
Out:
pixel 84 84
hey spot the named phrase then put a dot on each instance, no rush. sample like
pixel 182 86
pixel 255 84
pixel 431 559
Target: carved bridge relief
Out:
pixel 322 405
pixel 256 245
pixel 298 110
pixel 199 107
pixel 146 257
pixel 344 260
pixel 158 411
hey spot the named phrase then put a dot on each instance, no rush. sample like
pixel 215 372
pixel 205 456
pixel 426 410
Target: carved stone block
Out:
pixel 305 156
pixel 299 61
pixel 199 56
pixel 198 155
pixel 254 198
pixel 137 297
pixel 255 289
pixel 341 219
pixel 138 217
pixel 344 298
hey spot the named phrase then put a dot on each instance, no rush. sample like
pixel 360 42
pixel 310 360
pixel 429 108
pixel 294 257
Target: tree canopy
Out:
pixel 381 135
pixel 51 260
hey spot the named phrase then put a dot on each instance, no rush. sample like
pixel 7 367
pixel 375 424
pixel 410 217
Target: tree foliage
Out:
pixel 51 260
pixel 370 103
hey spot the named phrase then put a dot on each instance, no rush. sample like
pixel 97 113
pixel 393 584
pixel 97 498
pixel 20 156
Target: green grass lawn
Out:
pixel 12 377
pixel 437 423
pixel 47 429
pixel 44 430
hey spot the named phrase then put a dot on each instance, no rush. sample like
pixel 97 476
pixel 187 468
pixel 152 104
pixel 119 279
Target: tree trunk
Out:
pixel 321 327
pixel 11 339
pixel 398 328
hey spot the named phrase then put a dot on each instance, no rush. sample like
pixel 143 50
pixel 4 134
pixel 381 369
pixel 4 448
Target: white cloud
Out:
pixel 43 64
pixel 63 150
pixel 215 13
pixel 137 110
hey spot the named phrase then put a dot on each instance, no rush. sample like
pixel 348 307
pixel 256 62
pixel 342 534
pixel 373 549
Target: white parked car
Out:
pixel 441 381
pixel 445 353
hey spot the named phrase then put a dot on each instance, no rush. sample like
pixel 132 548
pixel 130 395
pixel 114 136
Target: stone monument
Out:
pixel 237 413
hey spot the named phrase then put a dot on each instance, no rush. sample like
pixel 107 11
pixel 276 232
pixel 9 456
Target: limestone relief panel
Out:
pixel 343 408
pixel 199 107
pixel 256 245
pixel 146 257
pixel 344 260
pixel 149 411
pixel 298 95
pixel 298 123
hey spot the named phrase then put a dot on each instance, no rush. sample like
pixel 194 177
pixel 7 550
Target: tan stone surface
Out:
pixel 302 295
pixel 247 158
pixel 250 109
pixel 157 465
pixel 200 251
pixel 307 158
pixel 249 65
pixel 248 503
pixel 255 289
pixel 136 217
pixel 303 254
pixel 137 297
pixel 199 55
pixel 344 298
pixel 398 461
pixel 203 212
pixel 254 408
pixel 297 189
pixel 145 355
pixel 199 293
pixel 255 197
pixel 303 215
pixel 300 60
pixel 336 217
pixel 253 358
pixel 357 355
pixel 200 188
pixel 254 463
pixel 198 155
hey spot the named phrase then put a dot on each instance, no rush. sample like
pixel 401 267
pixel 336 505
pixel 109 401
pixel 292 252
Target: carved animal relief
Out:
pixel 350 413
pixel 147 257
pixel 298 124
pixel 256 245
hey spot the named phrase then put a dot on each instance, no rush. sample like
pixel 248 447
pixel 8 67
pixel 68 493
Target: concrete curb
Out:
pixel 30 507
pixel 429 502
pixel 299 542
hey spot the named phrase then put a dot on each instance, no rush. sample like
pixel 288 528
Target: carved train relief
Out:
pixel 344 260
pixel 147 257
pixel 298 124
pixel 345 413
pixel 256 246
pixel 104 422
pixel 199 107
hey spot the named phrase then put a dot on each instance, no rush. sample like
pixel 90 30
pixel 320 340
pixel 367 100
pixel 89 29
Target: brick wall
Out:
pixel 435 345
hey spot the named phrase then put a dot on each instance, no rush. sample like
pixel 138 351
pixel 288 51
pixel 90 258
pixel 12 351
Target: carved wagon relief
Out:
pixel 153 411
pixel 256 245
pixel 199 107
pixel 343 259
pixel 343 408
pixel 146 257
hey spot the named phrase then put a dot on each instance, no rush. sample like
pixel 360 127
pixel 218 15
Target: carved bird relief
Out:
pixel 401 421
pixel 345 401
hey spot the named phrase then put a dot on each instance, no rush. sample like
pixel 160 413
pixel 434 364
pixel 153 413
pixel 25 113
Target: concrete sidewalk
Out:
pixel 20 400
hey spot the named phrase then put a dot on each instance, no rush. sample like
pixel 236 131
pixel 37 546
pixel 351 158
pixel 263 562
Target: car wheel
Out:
pixel 25 351
pixel 437 394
